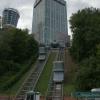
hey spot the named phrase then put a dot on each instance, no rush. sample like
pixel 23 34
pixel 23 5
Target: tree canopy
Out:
pixel 17 47
pixel 85 25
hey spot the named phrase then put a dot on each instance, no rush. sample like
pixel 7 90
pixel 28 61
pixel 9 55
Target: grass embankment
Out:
pixel 70 69
pixel 43 81
pixel 16 80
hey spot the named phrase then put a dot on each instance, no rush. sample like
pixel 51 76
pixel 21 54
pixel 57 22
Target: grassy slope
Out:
pixel 15 87
pixel 70 68
pixel 42 84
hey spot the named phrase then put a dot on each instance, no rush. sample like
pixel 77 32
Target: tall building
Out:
pixel 0 22
pixel 49 21
pixel 10 17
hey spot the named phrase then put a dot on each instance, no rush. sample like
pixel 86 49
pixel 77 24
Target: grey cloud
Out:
pixel 75 5
pixel 26 13
pixel 25 7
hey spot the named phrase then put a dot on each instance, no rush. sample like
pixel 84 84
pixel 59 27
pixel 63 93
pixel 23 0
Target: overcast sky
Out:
pixel 25 7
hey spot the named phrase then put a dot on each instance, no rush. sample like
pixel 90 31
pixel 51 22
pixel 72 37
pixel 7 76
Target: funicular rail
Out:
pixel 55 90
pixel 31 81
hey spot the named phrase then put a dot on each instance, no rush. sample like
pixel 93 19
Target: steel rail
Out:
pixel 55 90
pixel 32 79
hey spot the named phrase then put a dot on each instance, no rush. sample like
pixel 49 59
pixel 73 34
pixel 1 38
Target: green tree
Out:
pixel 85 25
pixel 16 48
pixel 88 75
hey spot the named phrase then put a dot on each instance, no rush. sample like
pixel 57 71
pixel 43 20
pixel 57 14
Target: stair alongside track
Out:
pixel 31 80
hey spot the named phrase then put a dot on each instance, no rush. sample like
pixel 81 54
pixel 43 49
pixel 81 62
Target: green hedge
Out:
pixel 14 79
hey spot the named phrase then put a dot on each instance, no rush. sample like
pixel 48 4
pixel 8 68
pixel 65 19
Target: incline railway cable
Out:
pixel 30 83
pixel 55 90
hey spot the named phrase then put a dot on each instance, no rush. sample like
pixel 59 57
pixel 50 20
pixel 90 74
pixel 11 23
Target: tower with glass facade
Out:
pixel 0 22
pixel 49 21
pixel 10 17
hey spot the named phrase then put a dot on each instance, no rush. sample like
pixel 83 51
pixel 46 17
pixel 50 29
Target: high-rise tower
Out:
pixel 10 17
pixel 49 21
pixel 0 22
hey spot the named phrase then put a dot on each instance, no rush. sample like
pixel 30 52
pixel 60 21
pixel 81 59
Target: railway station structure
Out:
pixel 50 21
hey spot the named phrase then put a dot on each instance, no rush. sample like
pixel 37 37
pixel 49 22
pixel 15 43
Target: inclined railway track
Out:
pixel 60 55
pixel 55 90
pixel 58 92
pixel 31 80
